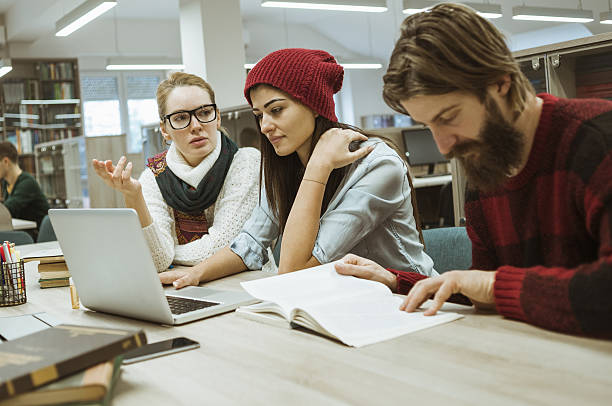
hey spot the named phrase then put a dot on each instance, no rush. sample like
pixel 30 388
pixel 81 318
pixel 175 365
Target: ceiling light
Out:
pixel 605 17
pixel 81 15
pixel 5 66
pixel 486 10
pixel 552 14
pixel 417 6
pixel 361 65
pixel 368 6
pixel 350 65
pixel 144 64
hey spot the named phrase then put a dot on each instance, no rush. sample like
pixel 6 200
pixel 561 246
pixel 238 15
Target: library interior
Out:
pixel 86 86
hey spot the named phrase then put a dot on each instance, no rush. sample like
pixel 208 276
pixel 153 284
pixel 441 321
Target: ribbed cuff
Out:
pixel 406 280
pixel 507 291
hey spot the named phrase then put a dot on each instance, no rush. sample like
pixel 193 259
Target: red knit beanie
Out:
pixel 310 76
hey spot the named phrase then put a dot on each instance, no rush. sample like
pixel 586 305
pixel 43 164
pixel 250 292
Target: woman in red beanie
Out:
pixel 323 196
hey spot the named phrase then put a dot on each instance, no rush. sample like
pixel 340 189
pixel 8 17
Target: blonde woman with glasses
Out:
pixel 192 199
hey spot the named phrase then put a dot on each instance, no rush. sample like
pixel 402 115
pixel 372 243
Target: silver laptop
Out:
pixel 111 265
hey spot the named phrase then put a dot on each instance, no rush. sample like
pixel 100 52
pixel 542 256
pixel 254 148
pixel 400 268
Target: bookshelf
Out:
pixel 39 103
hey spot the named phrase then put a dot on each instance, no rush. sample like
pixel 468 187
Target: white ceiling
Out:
pixel 363 34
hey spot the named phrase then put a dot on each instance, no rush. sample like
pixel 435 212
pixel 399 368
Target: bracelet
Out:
pixel 312 180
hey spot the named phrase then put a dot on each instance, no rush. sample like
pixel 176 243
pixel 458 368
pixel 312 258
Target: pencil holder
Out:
pixel 12 284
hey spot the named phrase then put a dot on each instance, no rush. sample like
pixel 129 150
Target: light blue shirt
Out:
pixel 370 215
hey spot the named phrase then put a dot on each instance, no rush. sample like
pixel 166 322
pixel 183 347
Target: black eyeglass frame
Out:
pixel 192 114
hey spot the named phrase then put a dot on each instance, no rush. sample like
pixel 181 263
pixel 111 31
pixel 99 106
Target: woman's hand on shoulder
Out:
pixel 180 278
pixel 332 149
pixel 118 177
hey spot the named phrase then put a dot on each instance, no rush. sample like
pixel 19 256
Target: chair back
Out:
pixel 17 236
pixel 46 232
pixel 450 248
pixel 6 220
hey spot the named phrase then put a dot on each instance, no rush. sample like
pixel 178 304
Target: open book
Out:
pixel 355 311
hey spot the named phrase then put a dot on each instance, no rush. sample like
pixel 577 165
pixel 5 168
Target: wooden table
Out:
pixel 481 359
pixel 19 224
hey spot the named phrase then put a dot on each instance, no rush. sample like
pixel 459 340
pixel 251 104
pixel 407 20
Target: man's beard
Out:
pixel 489 160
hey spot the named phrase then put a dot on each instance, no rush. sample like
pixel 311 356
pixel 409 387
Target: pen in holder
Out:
pixel 12 284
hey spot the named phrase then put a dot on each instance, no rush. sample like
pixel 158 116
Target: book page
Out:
pixel 371 319
pixel 320 284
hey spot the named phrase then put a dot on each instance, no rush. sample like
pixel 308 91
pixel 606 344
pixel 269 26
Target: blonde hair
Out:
pixel 451 48
pixel 178 79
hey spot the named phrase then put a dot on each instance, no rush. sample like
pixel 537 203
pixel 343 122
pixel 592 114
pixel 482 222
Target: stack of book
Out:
pixel 53 272
pixel 52 269
pixel 85 363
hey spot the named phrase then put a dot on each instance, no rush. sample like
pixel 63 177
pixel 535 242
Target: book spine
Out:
pixel 52 373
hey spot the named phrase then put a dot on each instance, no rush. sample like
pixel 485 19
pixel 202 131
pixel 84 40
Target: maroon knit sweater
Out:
pixel 548 230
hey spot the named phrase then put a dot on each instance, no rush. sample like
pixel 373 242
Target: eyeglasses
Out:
pixel 181 119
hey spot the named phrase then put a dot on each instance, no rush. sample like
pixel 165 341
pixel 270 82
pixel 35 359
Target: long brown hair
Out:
pixel 282 175
pixel 451 48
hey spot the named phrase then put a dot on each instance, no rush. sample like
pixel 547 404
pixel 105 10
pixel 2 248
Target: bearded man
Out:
pixel 539 175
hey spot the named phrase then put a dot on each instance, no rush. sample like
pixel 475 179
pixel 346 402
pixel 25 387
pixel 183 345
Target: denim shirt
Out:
pixel 370 215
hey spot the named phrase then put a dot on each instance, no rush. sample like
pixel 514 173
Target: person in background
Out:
pixel 21 193
pixel 324 198
pixel 193 198
pixel 539 173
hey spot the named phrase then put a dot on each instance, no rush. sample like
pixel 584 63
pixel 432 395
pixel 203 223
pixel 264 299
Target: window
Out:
pixel 141 106
pixel 101 111
pixel 119 103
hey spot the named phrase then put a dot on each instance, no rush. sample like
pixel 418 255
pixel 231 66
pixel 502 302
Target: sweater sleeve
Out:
pixel 19 201
pixel 159 234
pixel 572 300
pixel 233 207
pixel 406 280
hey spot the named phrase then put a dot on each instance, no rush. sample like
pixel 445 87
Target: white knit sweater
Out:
pixel 238 197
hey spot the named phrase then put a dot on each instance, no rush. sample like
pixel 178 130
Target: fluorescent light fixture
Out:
pixel 145 67
pixel 348 65
pixel 26 116
pixel 605 17
pixel 486 10
pixel 67 116
pixel 148 63
pixel 5 66
pixel 417 6
pixel 86 12
pixel 361 65
pixel 552 14
pixel 368 6
pixel 52 101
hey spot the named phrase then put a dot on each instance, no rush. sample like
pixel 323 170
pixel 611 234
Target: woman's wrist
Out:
pixel 317 172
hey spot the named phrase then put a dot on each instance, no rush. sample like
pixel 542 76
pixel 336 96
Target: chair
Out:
pixel 449 247
pixel 16 236
pixel 6 220
pixel 46 232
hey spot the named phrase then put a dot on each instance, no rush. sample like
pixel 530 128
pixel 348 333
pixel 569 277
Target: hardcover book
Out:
pixel 48 355
pixel 354 311
pixel 93 384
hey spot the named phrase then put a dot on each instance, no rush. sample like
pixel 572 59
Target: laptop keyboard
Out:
pixel 180 305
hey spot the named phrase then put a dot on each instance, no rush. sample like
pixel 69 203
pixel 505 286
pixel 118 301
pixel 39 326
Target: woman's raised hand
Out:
pixel 332 149
pixel 118 177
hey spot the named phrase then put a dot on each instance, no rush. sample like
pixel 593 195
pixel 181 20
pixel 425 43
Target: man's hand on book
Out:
pixel 476 285
pixel 180 278
pixel 359 267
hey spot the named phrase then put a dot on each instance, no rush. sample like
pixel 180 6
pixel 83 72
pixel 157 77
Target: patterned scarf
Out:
pixel 189 203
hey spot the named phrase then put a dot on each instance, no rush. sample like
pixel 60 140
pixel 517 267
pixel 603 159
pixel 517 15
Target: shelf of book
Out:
pixel 40 102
